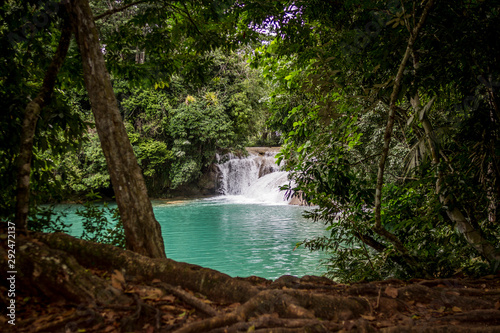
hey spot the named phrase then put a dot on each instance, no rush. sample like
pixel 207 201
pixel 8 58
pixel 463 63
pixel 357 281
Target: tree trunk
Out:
pixel 379 228
pixel 392 113
pixel 142 231
pixel 208 282
pixel 101 288
pixel 30 120
pixel 473 236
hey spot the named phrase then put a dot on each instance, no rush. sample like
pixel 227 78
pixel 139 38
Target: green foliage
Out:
pixel 198 128
pixel 47 219
pixel 28 35
pixel 101 224
pixel 330 100
pixel 186 92
pixel 158 53
pixel 177 129
pixel 85 171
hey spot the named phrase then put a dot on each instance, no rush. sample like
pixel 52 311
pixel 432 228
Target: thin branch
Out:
pixel 31 114
pixel 116 10
pixel 364 159
pixel 378 228
pixel 392 111
pixel 190 18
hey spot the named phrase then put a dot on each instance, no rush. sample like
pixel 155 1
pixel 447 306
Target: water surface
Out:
pixel 234 235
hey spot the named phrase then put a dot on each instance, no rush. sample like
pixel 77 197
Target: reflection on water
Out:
pixel 239 239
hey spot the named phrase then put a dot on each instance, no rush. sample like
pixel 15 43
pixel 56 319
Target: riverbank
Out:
pixel 161 295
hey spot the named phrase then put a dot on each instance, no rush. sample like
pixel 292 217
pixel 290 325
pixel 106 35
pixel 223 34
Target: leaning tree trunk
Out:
pixel 142 231
pixel 28 128
pixel 472 235
pixel 379 228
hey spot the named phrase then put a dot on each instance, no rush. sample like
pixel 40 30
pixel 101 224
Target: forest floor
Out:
pixel 160 295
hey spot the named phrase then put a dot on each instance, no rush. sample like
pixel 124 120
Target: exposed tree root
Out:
pixel 268 321
pixel 59 276
pixel 441 329
pixel 191 300
pixel 100 288
pixel 196 278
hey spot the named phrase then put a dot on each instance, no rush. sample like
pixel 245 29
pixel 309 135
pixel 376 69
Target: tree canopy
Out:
pixel 388 115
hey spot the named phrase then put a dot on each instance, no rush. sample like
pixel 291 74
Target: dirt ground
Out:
pixel 148 298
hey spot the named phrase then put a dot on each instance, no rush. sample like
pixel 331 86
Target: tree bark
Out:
pixel 142 231
pixel 30 120
pixel 473 236
pixel 378 228
pixel 70 277
pixel 58 276
pixel 392 113
pixel 211 283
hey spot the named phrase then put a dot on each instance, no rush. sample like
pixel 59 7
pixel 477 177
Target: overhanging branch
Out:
pixel 379 229
pixel 392 111
pixel 31 114
pixel 116 10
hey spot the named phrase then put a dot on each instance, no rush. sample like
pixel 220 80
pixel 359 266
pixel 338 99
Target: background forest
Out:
pixel 387 113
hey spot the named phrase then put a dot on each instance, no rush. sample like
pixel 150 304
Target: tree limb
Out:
pixel 31 114
pixel 379 229
pixel 142 230
pixel 116 10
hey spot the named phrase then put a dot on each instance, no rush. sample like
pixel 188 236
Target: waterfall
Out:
pixel 254 178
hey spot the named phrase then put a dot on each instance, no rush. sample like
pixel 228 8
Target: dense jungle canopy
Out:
pixel 387 112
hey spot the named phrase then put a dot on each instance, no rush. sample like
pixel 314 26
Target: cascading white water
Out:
pixel 253 178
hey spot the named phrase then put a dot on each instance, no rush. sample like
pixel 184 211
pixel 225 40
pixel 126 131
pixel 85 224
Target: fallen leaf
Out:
pixel 456 309
pixel 168 298
pixel 154 294
pixel 167 316
pixel 37 271
pixel 371 318
pixel 171 322
pixel 391 292
pixel 156 281
pixel 148 328
pixel 146 292
pixel 168 308
pixel 348 325
pixel 110 315
pixel 110 328
pixel 69 312
pixel 384 323
pixel 117 280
